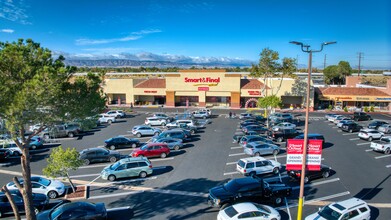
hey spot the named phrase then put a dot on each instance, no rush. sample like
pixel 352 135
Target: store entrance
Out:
pixel 186 101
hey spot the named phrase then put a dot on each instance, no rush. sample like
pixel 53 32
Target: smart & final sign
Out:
pixel 294 158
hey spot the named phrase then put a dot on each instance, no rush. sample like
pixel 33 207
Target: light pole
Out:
pixel 306 48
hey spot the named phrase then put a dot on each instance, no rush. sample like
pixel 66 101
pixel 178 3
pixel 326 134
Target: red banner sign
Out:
pixel 203 88
pixel 254 92
pixel 294 157
pixel 150 91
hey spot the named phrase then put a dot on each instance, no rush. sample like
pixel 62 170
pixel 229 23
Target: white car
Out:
pixel 370 134
pixel 353 208
pixel 257 165
pixel 283 125
pixel 11 146
pixel 104 118
pixel 382 145
pixel 386 128
pixel 201 114
pixel 338 119
pixel 51 188
pixel 116 113
pixel 250 211
pixel 156 121
pixel 333 117
pixel 347 121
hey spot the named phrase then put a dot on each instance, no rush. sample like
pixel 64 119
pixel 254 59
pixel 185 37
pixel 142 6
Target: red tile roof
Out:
pixel 251 84
pixel 152 83
pixel 352 91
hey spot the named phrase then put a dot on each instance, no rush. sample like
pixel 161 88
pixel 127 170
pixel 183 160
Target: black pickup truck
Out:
pixel 282 135
pixel 247 189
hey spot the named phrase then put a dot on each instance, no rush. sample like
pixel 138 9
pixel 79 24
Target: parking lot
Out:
pixel 178 187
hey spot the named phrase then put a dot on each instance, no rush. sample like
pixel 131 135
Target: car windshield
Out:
pixel 231 186
pixel 329 213
pixel 144 147
pixel 115 165
pixel 262 208
pixel 44 181
pixel 231 211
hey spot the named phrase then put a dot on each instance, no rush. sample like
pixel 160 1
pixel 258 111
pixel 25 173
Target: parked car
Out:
pixel 353 127
pixel 120 142
pixel 128 167
pixel 156 121
pixel 353 208
pixel 75 211
pixel 244 141
pixel 144 130
pixel 340 118
pixel 191 129
pixel 310 174
pixel 282 135
pixel 244 116
pixel 333 117
pixel 284 125
pixel 39 202
pixel 200 114
pixel 312 136
pixel 179 134
pixel 151 150
pixel 172 143
pixel 344 122
pixel 116 113
pixel 72 129
pixel 376 124
pixel 55 131
pixel 50 187
pixel 104 118
pixel 247 123
pixel 258 148
pixel 36 142
pixel 248 210
pixel 4 153
pixel 237 136
pixel 35 127
pixel 162 115
pixel 257 128
pixel 98 154
pixel 385 128
pixel 361 116
pixel 174 124
pixel 327 116
pixel 247 189
pixel 257 165
pixel 382 145
pixel 370 134
pixel 11 146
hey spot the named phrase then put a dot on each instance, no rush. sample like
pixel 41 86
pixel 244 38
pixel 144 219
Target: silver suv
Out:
pixel 156 121
pixel 257 165
pixel 258 148
pixel 353 208
pixel 144 130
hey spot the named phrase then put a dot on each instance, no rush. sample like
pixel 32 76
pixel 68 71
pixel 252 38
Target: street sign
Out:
pixel 294 158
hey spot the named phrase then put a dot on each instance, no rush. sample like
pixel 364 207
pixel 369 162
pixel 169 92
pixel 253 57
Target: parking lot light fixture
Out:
pixel 306 48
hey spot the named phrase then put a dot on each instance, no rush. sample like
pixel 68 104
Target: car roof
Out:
pixel 368 129
pixel 253 159
pixel 347 204
pixel 245 207
pixel 132 159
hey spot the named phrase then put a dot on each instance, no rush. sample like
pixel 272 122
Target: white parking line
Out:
pixel 238 154
pixel 231 173
pixel 339 131
pixel 350 134
pixel 379 157
pixel 240 147
pixel 317 183
pixel 353 139
pixel 318 199
pixel 367 150
pixel 106 164
pixel 335 127
pixel 363 143
pixel 85 175
pixel 118 208
pixel 115 194
pixel 388 166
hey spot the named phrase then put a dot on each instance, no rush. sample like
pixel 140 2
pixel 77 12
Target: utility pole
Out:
pixel 324 62
pixel 359 63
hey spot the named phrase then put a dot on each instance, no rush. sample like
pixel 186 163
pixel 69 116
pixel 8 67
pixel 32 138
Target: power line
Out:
pixel 359 63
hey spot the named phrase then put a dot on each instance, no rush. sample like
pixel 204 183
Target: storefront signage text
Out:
pixel 254 92
pixel 343 97
pixel 383 99
pixel 202 80
pixel 362 98
pixel 203 88
pixel 150 91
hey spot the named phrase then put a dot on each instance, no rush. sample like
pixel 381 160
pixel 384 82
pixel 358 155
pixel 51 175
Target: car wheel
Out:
pixel 134 145
pixel 86 161
pixel 163 155
pixel 142 174
pixel 253 173
pixel 257 154
pixel 113 159
pixel 370 139
pixel 280 139
pixel 109 122
pixel 138 134
pixel 16 153
pixel 71 134
pixel 387 151
pixel 163 124
pixel 326 174
pixel 176 147
pixel 140 155
pixel 46 136
pixel 1 214
pixel 306 179
pixel 111 178
pixel 112 147
pixel 33 147
pixel 36 210
pixel 192 132
pixel 276 170
pixel 224 206
pixel 275 152
pixel 156 134
pixel 52 194
pixel 350 130
pixel 277 201
pixel 204 117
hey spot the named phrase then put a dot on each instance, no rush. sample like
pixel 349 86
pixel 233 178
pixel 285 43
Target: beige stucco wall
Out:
pixel 119 86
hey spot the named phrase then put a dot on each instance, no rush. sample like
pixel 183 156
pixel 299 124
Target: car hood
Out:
pixel 219 192
pixel 314 216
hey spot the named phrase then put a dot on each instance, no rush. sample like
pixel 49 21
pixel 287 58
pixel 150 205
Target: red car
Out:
pixel 152 150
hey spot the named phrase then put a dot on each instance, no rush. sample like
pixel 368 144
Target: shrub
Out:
pixel 330 107
pixel 372 109
pixel 345 109
pixel 366 109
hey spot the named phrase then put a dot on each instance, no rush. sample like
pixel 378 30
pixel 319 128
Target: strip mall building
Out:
pixel 201 88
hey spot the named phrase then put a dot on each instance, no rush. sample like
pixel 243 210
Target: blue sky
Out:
pixel 224 29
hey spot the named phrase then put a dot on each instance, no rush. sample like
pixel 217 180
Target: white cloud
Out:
pixel 9 31
pixel 134 36
pixel 14 11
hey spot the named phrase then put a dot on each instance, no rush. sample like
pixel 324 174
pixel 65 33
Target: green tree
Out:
pixel 61 162
pixel 331 74
pixel 36 88
pixel 269 103
pixel 344 70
